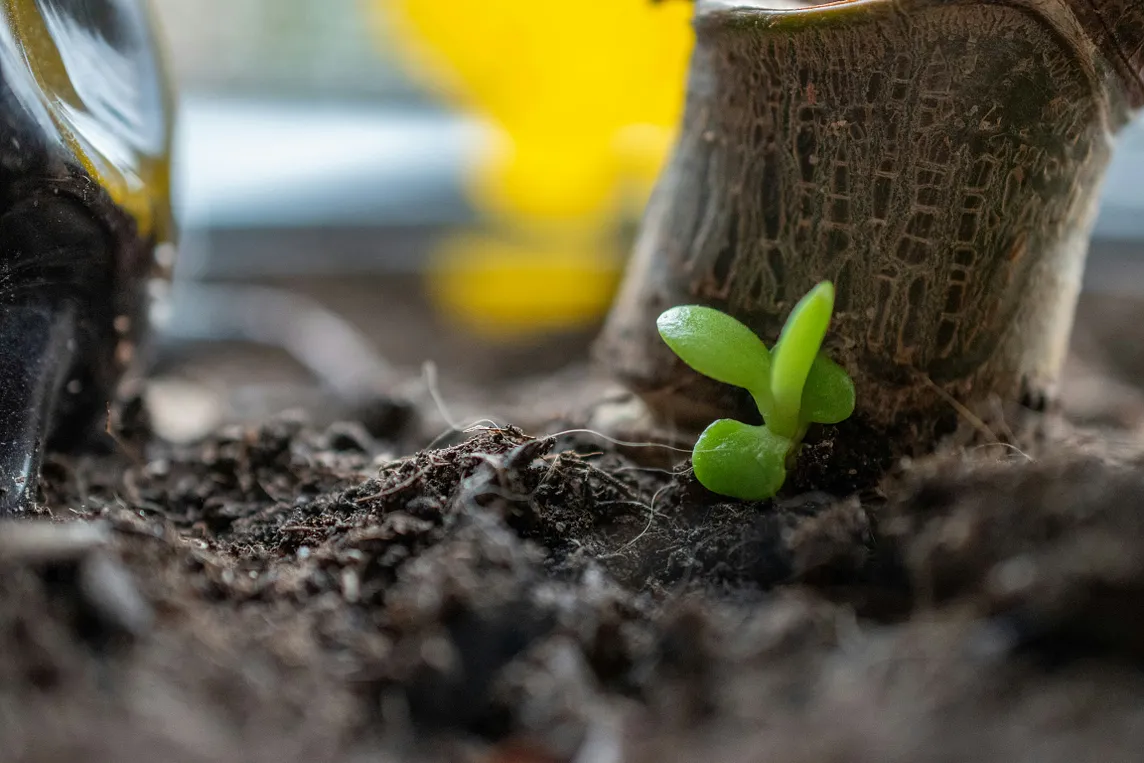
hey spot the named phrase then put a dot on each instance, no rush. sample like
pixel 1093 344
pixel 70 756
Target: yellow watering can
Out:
pixel 583 98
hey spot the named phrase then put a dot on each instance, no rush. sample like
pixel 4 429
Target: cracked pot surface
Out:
pixel 939 161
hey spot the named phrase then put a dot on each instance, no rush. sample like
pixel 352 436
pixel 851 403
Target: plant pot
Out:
pixel 939 160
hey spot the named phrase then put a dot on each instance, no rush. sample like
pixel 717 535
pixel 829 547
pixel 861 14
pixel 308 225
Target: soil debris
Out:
pixel 281 592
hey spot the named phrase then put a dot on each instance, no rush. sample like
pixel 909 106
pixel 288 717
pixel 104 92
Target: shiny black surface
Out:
pixel 83 204
pixel 39 348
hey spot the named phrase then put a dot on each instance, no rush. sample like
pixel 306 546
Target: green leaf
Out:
pixel 828 397
pixel 716 345
pixel 794 355
pixel 741 461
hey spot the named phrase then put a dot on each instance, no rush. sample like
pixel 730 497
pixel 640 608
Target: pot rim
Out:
pixel 822 12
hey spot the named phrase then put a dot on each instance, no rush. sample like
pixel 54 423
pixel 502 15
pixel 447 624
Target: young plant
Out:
pixel 793 385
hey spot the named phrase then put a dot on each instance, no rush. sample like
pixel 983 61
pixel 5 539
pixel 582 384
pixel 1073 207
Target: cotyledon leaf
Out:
pixel 740 461
pixel 717 345
pixel 828 396
pixel 794 354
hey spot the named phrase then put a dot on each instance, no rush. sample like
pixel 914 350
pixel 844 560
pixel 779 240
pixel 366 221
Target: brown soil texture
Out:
pixel 279 592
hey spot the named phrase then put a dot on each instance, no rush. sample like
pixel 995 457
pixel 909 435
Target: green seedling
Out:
pixel 794 385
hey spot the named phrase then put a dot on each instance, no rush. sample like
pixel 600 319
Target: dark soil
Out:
pixel 279 592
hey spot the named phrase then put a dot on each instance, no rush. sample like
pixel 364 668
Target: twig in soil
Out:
pixel 552 467
pixel 650 519
pixel 476 426
pixel 623 502
pixel 588 472
pixel 552 456
pixel 621 443
pixel 395 489
pixel 1009 445
pixel 429 370
pixel 974 420
pixel 654 469
pixel 603 476
pixel 962 411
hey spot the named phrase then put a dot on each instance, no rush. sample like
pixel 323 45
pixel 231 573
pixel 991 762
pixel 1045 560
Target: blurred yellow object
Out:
pixel 565 81
pixel 584 97
pixel 502 288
